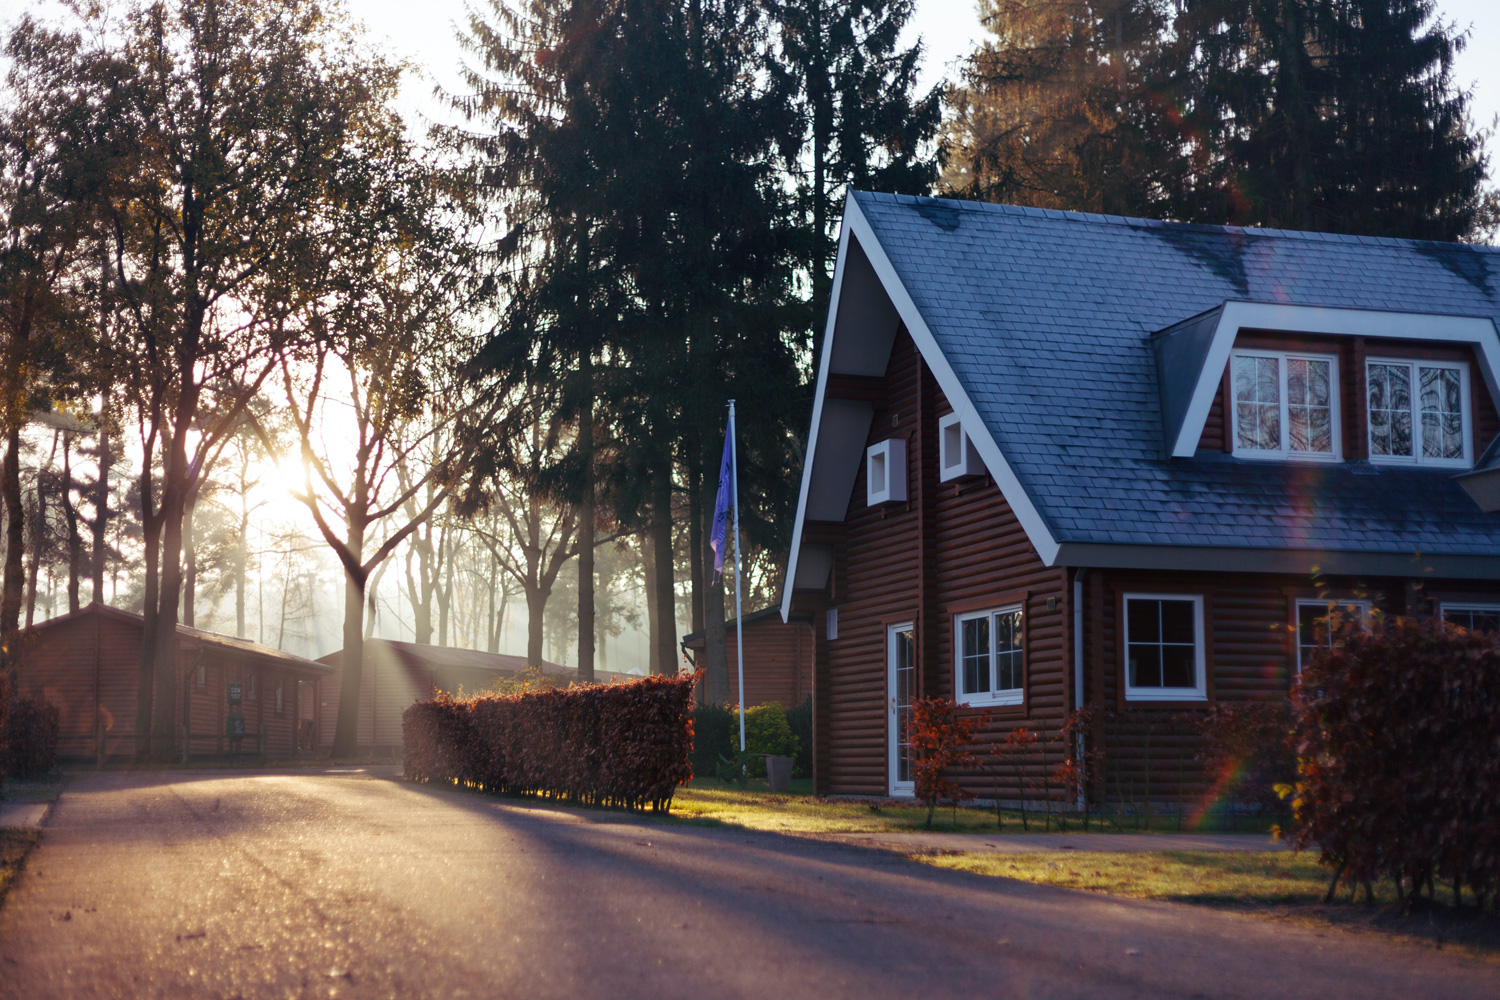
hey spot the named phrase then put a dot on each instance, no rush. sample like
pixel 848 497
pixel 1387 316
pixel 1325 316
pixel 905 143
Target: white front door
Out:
pixel 901 672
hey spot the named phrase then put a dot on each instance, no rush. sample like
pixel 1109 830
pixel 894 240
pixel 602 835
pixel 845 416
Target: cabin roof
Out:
pixel 1048 327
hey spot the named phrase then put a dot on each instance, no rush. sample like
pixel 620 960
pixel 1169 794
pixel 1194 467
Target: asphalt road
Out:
pixel 215 884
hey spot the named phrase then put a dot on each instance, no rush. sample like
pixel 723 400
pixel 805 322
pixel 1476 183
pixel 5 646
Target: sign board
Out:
pixel 234 692
pixel 234 726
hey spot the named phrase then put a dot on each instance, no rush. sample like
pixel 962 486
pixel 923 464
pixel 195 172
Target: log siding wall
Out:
pixel 957 546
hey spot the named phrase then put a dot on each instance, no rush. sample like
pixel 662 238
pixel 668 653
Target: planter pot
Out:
pixel 779 773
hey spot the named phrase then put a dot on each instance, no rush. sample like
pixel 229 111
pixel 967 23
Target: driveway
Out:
pixel 354 884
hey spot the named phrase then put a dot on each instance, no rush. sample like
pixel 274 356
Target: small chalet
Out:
pixel 236 696
pixel 396 674
pixel 1060 460
pixel 778 658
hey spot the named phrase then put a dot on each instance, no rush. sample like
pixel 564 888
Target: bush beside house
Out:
pixel 29 739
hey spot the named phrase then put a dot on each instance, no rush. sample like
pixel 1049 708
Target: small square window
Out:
pixel 250 694
pixel 1284 405
pixel 1418 412
pixel 885 471
pixel 1317 621
pixel 990 654
pixel 956 455
pixel 1164 654
pixel 1473 617
pixel 280 694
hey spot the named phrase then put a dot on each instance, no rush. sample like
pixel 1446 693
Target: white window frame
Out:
pixel 1446 606
pixel 1414 364
pixel 1366 609
pixel 888 459
pixel 992 696
pixel 956 455
pixel 1199 692
pixel 1285 451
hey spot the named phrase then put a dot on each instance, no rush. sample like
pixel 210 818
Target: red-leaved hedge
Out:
pixel 619 745
pixel 1398 740
pixel 29 738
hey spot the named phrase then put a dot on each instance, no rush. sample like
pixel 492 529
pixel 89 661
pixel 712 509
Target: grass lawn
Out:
pixel 1183 876
pixel 709 802
pixel 1274 884
pixel 14 846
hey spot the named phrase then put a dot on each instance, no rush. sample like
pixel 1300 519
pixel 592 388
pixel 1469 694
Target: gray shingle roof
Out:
pixel 1046 319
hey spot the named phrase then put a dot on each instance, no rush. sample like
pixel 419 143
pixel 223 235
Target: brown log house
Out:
pixel 1060 460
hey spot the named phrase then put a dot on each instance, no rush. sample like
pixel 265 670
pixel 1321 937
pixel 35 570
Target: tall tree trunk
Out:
pixel 586 521
pixel 38 545
pixel 665 654
pixel 101 509
pixel 13 589
pixel 536 607
pixel 151 556
pixel 445 594
pixel 653 620
pixel 346 730
pixel 190 565
pixel 692 448
pixel 70 517
pixel 716 689
pixel 241 565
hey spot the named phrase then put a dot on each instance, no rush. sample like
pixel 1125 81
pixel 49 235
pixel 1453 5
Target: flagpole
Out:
pixel 739 617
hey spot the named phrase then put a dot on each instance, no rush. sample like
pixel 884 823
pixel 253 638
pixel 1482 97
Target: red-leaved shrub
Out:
pixel 29 738
pixel 1398 739
pixel 621 745
pixel 940 740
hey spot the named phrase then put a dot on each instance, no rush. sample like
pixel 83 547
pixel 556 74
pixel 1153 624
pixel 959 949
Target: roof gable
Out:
pixel 1079 349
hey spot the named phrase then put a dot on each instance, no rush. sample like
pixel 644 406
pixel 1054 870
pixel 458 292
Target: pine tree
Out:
pixel 1058 110
pixel 1337 115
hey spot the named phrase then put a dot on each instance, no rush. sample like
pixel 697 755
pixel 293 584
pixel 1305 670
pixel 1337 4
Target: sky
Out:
pixel 423 32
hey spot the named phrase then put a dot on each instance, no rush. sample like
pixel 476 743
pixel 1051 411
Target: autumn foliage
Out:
pixel 1398 739
pixel 940 740
pixel 620 745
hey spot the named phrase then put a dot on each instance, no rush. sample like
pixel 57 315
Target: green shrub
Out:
pixel 716 733
pixel 768 732
pixel 800 719
pixel 29 738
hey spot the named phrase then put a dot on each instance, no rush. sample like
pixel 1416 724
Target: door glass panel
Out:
pixel 903 678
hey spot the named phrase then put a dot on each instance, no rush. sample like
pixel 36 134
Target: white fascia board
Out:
pixel 810 448
pixel 1371 323
pixel 1031 519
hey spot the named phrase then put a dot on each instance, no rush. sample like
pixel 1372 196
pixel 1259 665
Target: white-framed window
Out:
pixel 990 656
pixel 1418 411
pixel 250 692
pixel 956 455
pixel 1164 654
pixel 1316 622
pixel 1473 617
pixel 280 694
pixel 202 675
pixel 885 471
pixel 1285 405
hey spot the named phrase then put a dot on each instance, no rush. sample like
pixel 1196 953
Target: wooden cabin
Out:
pixel 1060 460
pixel 778 658
pixel 397 673
pixel 88 665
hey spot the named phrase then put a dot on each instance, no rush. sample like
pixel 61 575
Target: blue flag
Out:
pixel 722 503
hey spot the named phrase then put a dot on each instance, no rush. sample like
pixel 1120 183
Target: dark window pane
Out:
pixel 1008 671
pixel 1179 667
pixel 1145 666
pixel 976 655
pixel 1143 619
pixel 1178 622
pixel 1312 624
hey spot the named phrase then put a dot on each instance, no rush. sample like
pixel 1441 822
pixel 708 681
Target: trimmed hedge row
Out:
pixel 1398 735
pixel 621 745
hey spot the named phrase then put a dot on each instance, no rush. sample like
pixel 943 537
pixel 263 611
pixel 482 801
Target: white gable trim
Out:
pixel 857 226
pixel 1376 324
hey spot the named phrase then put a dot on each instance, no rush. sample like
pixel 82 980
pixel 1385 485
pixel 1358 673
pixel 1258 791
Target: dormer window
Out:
pixel 1418 411
pixel 956 455
pixel 885 471
pixel 1285 405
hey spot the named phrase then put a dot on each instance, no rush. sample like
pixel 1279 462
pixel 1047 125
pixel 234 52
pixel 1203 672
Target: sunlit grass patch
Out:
pixel 14 846
pixel 1184 876
pixel 753 807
